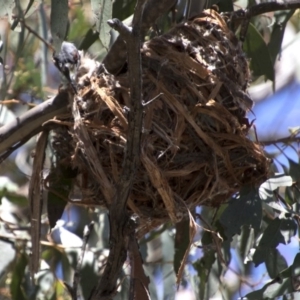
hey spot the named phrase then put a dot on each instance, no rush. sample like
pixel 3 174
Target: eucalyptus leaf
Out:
pixel 7 185
pixel 60 183
pixel 279 180
pixel 224 5
pixel 294 170
pixel 286 282
pixel 278 231
pixel 168 273
pixel 275 262
pixel 89 39
pixel 59 21
pixel 280 20
pixel 32 6
pixel 288 229
pixel 182 242
pixel 124 9
pixel 203 267
pixel 246 241
pixel 258 52
pixel 244 210
pixel 6 9
pixel 17 278
pixel 102 11
pixel 88 274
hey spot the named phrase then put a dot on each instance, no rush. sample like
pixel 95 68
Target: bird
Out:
pixel 67 61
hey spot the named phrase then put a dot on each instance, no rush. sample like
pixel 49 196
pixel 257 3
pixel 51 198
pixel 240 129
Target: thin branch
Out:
pixel 286 140
pixel 246 14
pixel 35 34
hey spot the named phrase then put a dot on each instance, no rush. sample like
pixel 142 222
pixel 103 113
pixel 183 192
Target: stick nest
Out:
pixel 194 149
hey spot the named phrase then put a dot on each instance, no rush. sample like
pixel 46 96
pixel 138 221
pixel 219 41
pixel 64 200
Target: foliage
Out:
pixel 249 235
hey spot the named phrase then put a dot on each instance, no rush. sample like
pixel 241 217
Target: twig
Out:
pixel 286 140
pixel 120 226
pixel 116 57
pixel 35 34
pixel 246 14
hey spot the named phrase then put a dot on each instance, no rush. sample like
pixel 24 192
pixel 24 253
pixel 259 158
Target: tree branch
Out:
pixel 120 226
pixel 30 123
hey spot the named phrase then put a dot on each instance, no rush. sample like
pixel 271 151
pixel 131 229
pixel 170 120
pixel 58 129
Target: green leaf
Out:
pixel 122 10
pixel 286 282
pixel 88 277
pixel 288 229
pixel 9 190
pixel 17 278
pixel 294 170
pixel 204 267
pixel 244 210
pixel 60 184
pixel 275 262
pixel 167 270
pixel 278 231
pixel 258 52
pixel 59 21
pixel 19 200
pixel 225 5
pixel 32 7
pixel 267 188
pixel 182 242
pixel 6 9
pixel 89 39
pixel 58 257
pixel 246 241
pixel 102 10
pixel 78 29
pixel 281 19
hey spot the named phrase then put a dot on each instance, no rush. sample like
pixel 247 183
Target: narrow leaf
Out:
pixel 286 282
pixel 182 242
pixel 278 231
pixel 294 170
pixel 6 9
pixel 203 267
pixel 245 210
pixel 59 21
pixel 275 262
pixel 139 281
pixel 102 11
pixel 36 200
pixel 281 19
pixel 32 7
pixel 279 180
pixel 17 278
pixel 258 52
pixel 89 39
pixel 59 183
